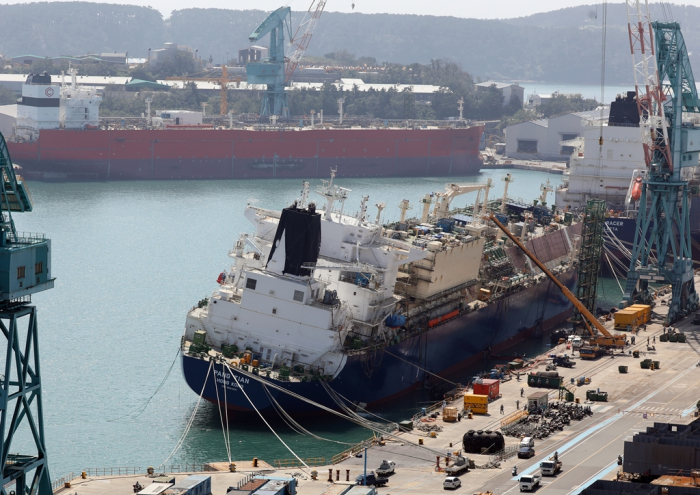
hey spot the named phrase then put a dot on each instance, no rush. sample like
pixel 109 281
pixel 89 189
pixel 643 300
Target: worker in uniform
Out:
pixel 522 391
pixel 517 404
pixel 501 408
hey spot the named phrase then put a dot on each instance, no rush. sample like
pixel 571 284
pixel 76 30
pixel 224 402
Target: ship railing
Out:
pixel 293 463
pixel 26 238
pixel 60 483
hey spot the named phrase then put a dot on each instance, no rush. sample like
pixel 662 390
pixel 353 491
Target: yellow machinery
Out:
pixel 479 404
pixel 607 340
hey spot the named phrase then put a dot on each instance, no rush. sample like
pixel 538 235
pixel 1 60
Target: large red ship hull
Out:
pixel 172 154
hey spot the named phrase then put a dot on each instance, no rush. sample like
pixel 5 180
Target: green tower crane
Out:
pixel 25 269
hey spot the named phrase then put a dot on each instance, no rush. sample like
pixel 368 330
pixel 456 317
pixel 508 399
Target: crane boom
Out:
pixel 300 40
pixel 609 339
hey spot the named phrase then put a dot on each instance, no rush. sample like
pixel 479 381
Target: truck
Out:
pixel 529 483
pixel 564 361
pixel 386 468
pixel 372 480
pixel 550 467
pixel 459 466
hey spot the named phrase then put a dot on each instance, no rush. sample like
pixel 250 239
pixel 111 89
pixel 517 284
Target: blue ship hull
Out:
pixel 624 229
pixel 380 376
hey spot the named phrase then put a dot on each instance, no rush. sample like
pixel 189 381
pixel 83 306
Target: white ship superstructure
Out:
pixel 605 158
pixel 302 315
pixel 48 105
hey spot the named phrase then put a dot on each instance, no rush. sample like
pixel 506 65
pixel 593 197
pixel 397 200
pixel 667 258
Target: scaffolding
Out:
pixel 589 260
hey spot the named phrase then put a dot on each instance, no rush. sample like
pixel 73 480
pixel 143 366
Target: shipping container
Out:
pixel 488 387
pixel 476 399
pixel 644 313
pixel 626 318
pixel 545 379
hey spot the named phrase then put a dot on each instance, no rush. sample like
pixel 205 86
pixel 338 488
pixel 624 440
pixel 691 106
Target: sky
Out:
pixel 490 9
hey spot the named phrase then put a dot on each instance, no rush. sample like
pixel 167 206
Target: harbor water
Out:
pixel 130 259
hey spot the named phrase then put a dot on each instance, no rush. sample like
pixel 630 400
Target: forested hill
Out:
pixel 559 46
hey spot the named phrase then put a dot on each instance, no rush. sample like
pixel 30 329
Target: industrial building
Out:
pixel 542 139
pixel 105 58
pixel 252 54
pixel 508 90
pixel 663 448
pixel 168 52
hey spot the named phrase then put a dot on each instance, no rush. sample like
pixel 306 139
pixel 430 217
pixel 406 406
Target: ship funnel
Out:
pixel 297 241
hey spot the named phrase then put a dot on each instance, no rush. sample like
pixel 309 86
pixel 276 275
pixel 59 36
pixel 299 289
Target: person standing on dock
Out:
pixel 522 391
pixel 647 340
pixel 517 404
pixel 501 408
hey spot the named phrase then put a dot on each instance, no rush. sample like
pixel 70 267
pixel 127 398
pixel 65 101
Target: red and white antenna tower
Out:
pixel 650 95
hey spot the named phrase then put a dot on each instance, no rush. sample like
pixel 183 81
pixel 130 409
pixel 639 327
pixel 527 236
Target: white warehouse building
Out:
pixel 542 139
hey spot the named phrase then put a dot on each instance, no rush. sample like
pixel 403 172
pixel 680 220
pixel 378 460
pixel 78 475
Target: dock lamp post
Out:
pixel 364 478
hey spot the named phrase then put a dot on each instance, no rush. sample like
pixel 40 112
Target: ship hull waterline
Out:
pixel 382 376
pixel 97 155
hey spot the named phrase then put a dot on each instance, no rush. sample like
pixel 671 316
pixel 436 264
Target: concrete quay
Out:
pixel 588 449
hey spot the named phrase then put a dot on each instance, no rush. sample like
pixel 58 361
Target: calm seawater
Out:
pixel 130 259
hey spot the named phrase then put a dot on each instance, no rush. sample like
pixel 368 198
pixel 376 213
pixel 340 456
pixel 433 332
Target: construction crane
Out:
pixel 272 71
pixel 25 269
pixel 444 199
pixel 223 82
pixel 665 89
pixel 302 36
pixel 607 340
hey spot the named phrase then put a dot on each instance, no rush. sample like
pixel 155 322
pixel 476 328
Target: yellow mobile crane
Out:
pixel 222 81
pixel 607 340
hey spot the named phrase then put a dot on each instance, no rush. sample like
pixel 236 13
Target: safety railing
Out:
pixel 514 417
pixel 290 463
pixel 506 453
pixel 355 449
pixel 113 471
pixel 60 483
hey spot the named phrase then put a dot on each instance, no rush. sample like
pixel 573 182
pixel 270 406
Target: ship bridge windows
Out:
pixel 527 146
pixel 299 296
pixel 251 283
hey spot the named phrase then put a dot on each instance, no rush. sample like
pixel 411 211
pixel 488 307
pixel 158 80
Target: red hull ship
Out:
pixel 59 136
pixel 247 154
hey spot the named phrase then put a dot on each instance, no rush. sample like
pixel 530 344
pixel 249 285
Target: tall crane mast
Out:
pixel 665 89
pixel 301 39
pixel 25 269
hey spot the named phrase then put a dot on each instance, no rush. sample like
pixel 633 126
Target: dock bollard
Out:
pixel 420 441
pixel 255 462
pixel 347 475
pixel 150 470
pixel 330 475
pixel 232 467
pixel 314 474
pixel 83 475
pixel 337 475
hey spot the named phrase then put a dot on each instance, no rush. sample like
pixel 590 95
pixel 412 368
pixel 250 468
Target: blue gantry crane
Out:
pixel 25 269
pixel 665 89
pixel 272 71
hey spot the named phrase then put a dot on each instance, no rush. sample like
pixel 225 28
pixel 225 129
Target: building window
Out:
pixel 20 272
pixel 269 353
pixel 39 267
pixel 568 137
pixel 274 311
pixel 527 146
pixel 251 283
pixel 299 296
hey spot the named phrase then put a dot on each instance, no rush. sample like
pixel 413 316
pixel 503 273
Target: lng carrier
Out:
pixel 324 307
pixel 59 137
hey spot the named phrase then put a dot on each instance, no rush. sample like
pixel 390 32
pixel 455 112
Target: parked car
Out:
pixel 451 482
pixel 526 452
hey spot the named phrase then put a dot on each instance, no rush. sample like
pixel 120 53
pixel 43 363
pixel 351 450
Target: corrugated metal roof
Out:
pixel 498 85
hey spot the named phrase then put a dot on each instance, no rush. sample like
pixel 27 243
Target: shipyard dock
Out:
pixel 588 448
